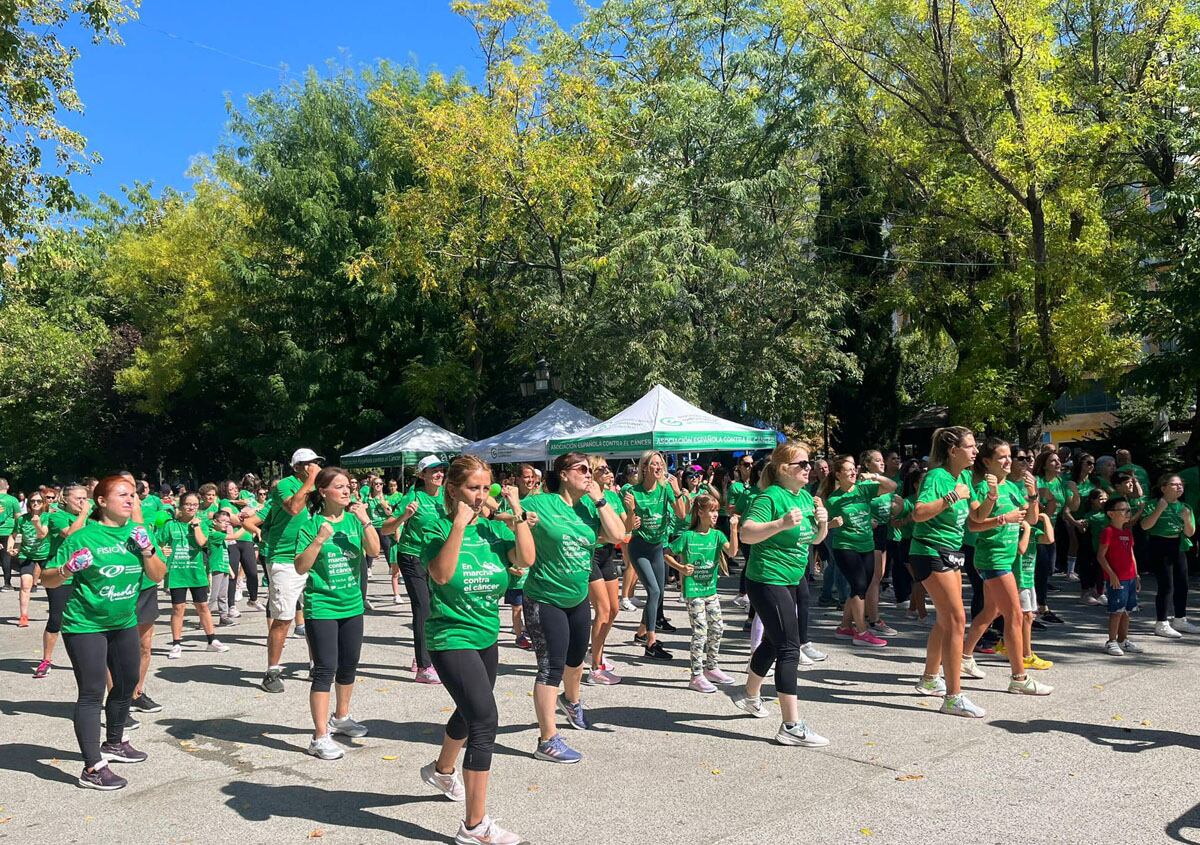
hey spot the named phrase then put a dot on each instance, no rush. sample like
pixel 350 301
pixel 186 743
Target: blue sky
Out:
pixel 157 101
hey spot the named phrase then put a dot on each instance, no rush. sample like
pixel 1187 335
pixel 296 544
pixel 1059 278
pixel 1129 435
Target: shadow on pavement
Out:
pixel 31 759
pixel 236 730
pixel 221 674
pixel 260 802
pixel 653 719
pixel 430 734
pixel 20 665
pixel 1189 821
pixel 1110 736
pixel 53 709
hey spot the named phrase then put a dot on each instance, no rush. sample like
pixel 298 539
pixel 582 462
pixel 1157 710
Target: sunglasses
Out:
pixel 584 468
pixel 800 464
pixel 1022 458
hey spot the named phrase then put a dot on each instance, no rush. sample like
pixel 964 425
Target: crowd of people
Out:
pixel 565 549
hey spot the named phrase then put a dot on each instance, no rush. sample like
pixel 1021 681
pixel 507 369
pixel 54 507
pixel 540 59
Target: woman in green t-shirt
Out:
pixel 736 499
pixel 469 560
pixel 936 557
pixel 333 546
pixel 105 560
pixel 62 523
pixel 883 506
pixel 184 540
pixel 1170 525
pixel 603 583
pixel 243 554
pixel 783 521
pixel 1057 496
pixel 998 506
pixel 34 528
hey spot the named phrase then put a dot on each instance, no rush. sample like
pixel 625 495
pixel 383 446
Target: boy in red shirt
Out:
pixel 1120 568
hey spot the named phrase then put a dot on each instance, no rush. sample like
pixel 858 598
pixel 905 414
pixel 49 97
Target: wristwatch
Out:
pixel 602 503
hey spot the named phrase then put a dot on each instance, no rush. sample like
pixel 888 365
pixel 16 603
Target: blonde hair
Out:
pixel 784 453
pixel 945 439
pixel 460 469
pixel 644 461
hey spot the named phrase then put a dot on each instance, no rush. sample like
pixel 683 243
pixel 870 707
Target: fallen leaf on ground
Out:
pixel 866 831
pixel 911 777
pixel 716 771
pixel 316 834
pixel 1116 717
pixel 389 757
pixel 1145 723
pixel 535 788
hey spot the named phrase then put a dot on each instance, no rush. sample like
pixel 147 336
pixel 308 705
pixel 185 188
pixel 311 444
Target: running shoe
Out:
pixel 226 621
pixel 741 601
pixel 235 613
pixel 640 639
pixel 23 621
pixel 1072 576
pixel 664 624
pixel 121 752
pixel 325 748
pixel 217 645
pixel 574 713
pixel 798 733
pixel 1000 647
pixel 367 606
pixel 718 677
pixel 1164 629
pixel 487 832
pixel 845 632
pixel 931 686
pixel 602 678
pixel 701 684
pixel 144 704
pixel 883 629
pixel 272 681
pixel 656 652
pixel 1039 625
pixel 176 652
pixel 555 750
pixel 754 706
pixel 1091 599
pixel 982 647
pixel 1052 617
pixel 1183 626
pixel 902 605
pixel 803 659
pixel 428 675
pixel 413 667
pixel 524 642
pixel 827 602
pixel 960 705
pixel 1035 662
pixel 1028 686
pixel 255 605
pixel 132 724
pixel 813 653
pixel 970 668
pixel 1114 648
pixel 626 604
pixel 396 599
pixel 1131 647
pixel 102 777
pixel 346 726
pixel 298 632
pixel 867 639
pixel 450 785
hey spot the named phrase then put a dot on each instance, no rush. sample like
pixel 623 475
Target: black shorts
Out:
pixel 147 606
pixel 26 567
pixel 179 595
pixel 944 561
pixel 606 564
pixel 881 533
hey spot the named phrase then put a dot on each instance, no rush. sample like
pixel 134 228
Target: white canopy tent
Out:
pixel 527 441
pixel 661 420
pixel 419 437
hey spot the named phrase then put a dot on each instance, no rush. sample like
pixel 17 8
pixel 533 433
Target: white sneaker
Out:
pixel 1183 626
pixel 346 726
pixel 325 748
pixel 626 604
pixel 487 832
pixel 803 659
pixel 933 687
pixel 396 599
pixel 1092 600
pixel 217 645
pixel 256 605
pixel 813 653
pixel 741 601
pixel 971 669
pixel 1131 647
pixel 754 706
pixel 1029 686
pixel 176 652
pixel 1114 648
pixel 800 734
pixel 903 605
pixel 1164 629
pixel 234 612
pixel 960 705
pixel 450 785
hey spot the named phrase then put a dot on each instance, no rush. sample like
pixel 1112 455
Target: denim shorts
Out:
pixel 989 574
pixel 1124 598
pixel 515 598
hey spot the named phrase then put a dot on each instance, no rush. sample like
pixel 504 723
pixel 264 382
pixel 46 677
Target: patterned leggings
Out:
pixel 705 616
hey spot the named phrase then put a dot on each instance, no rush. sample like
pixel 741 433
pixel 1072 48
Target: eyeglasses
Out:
pixel 800 464
pixel 1022 457
pixel 583 468
pixel 35 501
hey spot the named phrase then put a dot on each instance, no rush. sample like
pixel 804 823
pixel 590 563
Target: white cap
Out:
pixel 302 455
pixel 428 462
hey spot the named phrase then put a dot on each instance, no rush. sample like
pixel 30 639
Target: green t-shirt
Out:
pixel 58 522
pixel 151 507
pixel 782 558
pixel 218 550
pixel 1138 472
pixel 464 613
pixel 234 507
pixel 424 526
pixel 32 546
pixel 996 548
pixel 376 512
pixel 10 509
pixel 1057 488
pixel 186 564
pixel 703 551
pixel 679 524
pixel 855 507
pixel 103 596
pixel 1170 521
pixel 1028 560
pixel 943 533
pixel 282 529
pixel 735 496
pixel 881 506
pixel 656 509
pixel 564 538
pixel 1096 521
pixel 1085 489
pixel 334 587
pixel 902 524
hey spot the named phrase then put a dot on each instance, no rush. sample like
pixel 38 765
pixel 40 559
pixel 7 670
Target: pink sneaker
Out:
pixel 845 633
pixel 867 639
pixel 700 684
pixel 428 675
pixel 43 669
pixel 414 668
pixel 718 677
pixel 603 677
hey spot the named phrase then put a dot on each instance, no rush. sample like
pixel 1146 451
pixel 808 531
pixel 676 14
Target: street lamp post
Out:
pixel 540 381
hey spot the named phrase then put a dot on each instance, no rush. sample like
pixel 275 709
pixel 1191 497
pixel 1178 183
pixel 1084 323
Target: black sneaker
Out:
pixel 1051 616
pixel 121 752
pixel 657 652
pixel 144 704
pixel 1039 625
pixel 826 602
pixel 131 724
pixel 1052 588
pixel 639 638
pixel 271 681
pixel 664 625
pixel 102 777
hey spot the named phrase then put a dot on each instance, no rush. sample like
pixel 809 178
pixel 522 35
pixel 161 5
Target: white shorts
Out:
pixel 285 590
pixel 1028 600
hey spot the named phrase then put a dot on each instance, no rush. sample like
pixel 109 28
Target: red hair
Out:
pixel 105 488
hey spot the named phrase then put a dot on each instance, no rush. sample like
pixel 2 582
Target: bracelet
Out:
pixel 950 498
pixel 524 517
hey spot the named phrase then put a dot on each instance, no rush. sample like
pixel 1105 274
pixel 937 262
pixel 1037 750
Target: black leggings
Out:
pixel 898 564
pixel 57 596
pixel 469 676
pixel 858 569
pixel 416 584
pixel 776 607
pixel 1087 566
pixel 335 646
pixel 243 558
pixel 1169 565
pixel 93 658
pixel 560 637
pixel 386 541
pixel 976 580
pixel 1046 555
pixel 6 561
